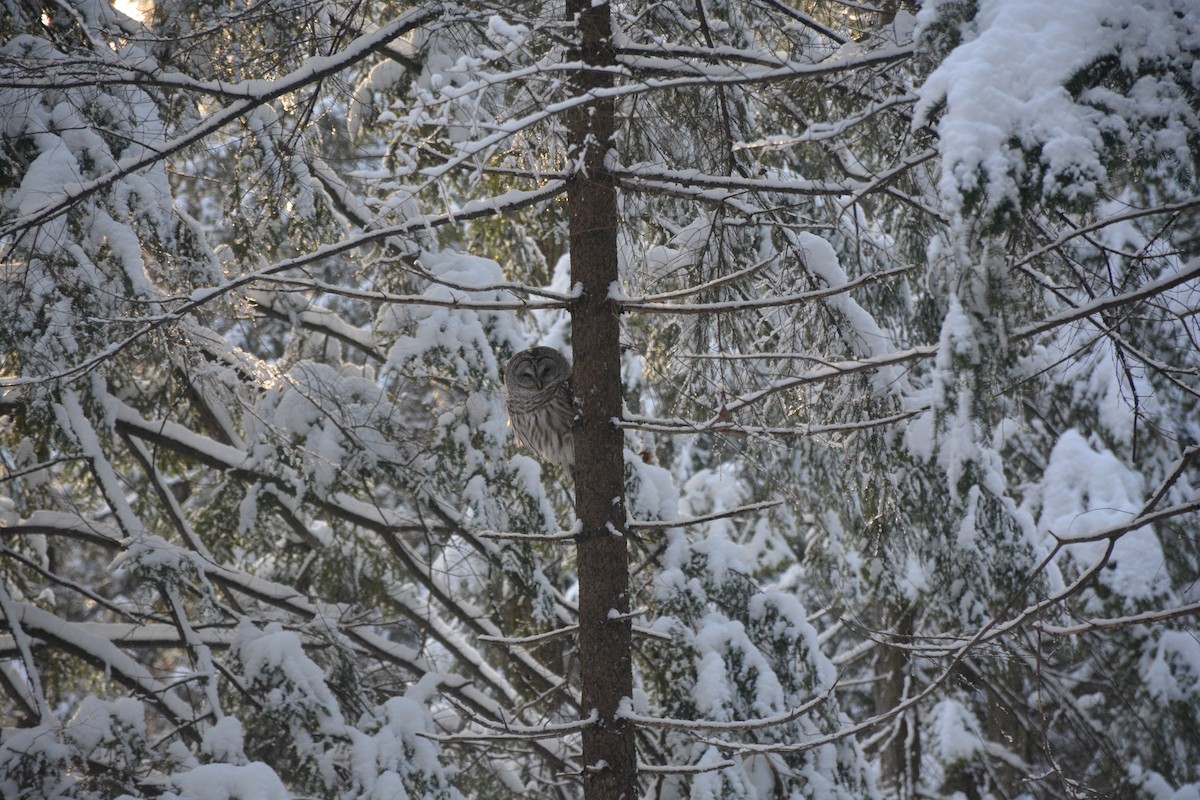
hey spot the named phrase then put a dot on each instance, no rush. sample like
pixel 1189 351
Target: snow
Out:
pixel 997 106
pixel 1085 489
pixel 867 338
pixel 1157 787
pixel 652 494
pixel 992 98
pixel 47 180
pixel 956 735
pixel 41 748
pixel 255 781
pixel 223 741
pixel 1173 674
pixel 275 658
pixel 99 722
pixel 464 336
pixel 385 74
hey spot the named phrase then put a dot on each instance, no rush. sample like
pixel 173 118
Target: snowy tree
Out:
pixel 883 325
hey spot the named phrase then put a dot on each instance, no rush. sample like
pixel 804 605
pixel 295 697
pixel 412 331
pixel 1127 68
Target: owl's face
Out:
pixel 536 374
pixel 536 369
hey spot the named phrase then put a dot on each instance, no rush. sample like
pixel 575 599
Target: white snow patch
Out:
pixel 255 781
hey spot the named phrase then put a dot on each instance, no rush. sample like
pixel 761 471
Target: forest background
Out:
pixel 884 324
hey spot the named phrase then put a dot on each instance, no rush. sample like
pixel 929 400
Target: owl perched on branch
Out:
pixel 541 405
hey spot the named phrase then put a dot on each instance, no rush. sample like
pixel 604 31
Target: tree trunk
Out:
pixel 610 762
pixel 900 754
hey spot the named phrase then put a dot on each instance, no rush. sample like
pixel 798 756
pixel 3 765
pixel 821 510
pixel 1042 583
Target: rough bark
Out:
pixel 610 763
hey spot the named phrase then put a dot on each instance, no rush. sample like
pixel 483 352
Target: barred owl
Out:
pixel 541 405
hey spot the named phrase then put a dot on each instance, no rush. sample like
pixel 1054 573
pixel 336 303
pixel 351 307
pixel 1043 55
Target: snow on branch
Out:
pixel 105 655
pixel 72 526
pixel 505 731
pixel 258 92
pixel 686 769
pixel 1094 624
pixel 655 175
pixel 647 525
pixel 731 725
pixel 135 634
pixel 507 201
pixel 686 55
pixel 832 370
pixel 561 536
pixel 319 320
pixel 822 131
pixel 1141 520
pixel 1188 272
pixel 716 425
pixel 718 74
pixel 534 639
pixel 652 305
pixel 880 181
pixel 458 303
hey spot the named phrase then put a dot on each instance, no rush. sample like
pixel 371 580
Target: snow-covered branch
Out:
pixel 472 210
pixel 772 721
pixel 105 655
pixel 1187 272
pixel 715 425
pixel 647 525
pixel 652 305
pixel 504 731
pixel 459 303
pixel 1093 625
pixel 258 93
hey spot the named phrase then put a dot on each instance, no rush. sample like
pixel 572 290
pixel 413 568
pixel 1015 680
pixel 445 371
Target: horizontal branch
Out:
pixel 1092 625
pixel 821 131
pixel 135 634
pixel 504 731
pixel 722 75
pixel 801 431
pixel 536 638
pixel 648 304
pixel 458 303
pixel 647 525
pixel 677 426
pixel 1138 521
pixel 564 536
pixel 735 184
pixel 71 526
pixel 561 536
pixel 759 723
pixel 693 769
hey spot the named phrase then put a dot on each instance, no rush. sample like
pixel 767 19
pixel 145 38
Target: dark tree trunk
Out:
pixel 900 754
pixel 610 762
